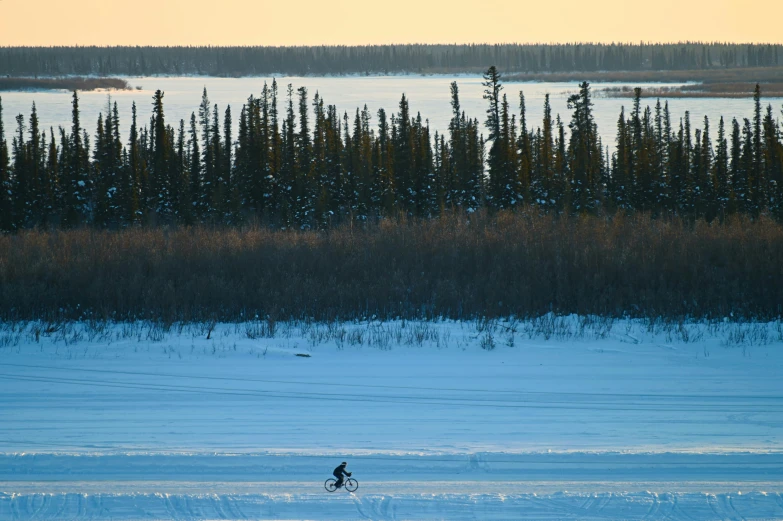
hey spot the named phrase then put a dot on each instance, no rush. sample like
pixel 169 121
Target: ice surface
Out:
pixel 427 94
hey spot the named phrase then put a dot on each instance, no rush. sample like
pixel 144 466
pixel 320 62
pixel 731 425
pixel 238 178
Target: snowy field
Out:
pixel 556 418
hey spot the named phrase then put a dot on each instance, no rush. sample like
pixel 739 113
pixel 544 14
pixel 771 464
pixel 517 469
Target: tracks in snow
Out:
pixel 641 506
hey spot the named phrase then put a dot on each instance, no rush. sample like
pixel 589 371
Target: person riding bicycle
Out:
pixel 339 472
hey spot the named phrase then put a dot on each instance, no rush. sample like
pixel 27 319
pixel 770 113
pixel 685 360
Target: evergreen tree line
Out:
pixel 383 59
pixel 310 167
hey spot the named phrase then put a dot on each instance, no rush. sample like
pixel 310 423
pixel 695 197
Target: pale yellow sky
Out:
pixel 310 22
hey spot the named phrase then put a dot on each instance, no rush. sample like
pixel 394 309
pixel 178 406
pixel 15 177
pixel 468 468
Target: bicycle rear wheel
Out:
pixel 330 485
pixel 351 485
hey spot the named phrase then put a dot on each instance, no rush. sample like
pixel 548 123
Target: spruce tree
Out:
pixel 21 178
pixel 335 190
pixel 736 189
pixel 288 168
pixel 584 153
pixel 385 171
pixel 772 165
pixel 134 210
pixel 620 180
pixel 706 193
pixel 496 160
pixel 756 181
pixel 120 180
pixel 545 182
pixel 492 88
pixel 745 180
pixel 303 198
pixel 160 171
pixel 76 186
pixel 230 190
pixel 101 176
pixel 5 178
pixel 179 175
pixel 197 198
pixel 403 158
pixel 216 184
pixel 721 173
pixel 209 179
pixel 274 171
pixel 525 152
pixel 455 170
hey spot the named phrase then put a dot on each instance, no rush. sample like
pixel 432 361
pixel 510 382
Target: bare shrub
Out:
pixel 487 341
pixel 457 266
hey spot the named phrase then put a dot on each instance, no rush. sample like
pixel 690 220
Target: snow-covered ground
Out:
pixel 755 506
pixel 556 418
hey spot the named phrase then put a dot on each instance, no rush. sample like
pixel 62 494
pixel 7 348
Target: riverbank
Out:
pixel 705 90
pixel 64 83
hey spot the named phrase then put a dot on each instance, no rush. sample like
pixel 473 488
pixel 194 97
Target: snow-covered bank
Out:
pixel 559 383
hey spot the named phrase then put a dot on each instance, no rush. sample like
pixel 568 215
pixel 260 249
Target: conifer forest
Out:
pixel 385 59
pixel 297 162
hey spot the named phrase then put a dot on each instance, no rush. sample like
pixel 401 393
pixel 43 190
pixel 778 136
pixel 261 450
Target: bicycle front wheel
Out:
pixel 330 485
pixel 351 485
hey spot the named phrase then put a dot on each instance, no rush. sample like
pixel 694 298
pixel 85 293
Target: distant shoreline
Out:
pixel 739 75
pixel 705 90
pixel 65 83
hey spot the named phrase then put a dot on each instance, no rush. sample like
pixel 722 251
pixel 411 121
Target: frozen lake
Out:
pixel 427 94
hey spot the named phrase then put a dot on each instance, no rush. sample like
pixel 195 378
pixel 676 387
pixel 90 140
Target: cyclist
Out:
pixel 339 472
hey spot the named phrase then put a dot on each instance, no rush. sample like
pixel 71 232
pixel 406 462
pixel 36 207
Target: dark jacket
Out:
pixel 340 471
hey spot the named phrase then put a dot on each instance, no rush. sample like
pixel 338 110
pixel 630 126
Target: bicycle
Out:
pixel 350 485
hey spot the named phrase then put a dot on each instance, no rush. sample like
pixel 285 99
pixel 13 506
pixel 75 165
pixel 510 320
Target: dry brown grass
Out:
pixel 488 266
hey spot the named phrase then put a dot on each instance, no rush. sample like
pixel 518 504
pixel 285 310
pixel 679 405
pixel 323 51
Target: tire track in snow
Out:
pixel 422 507
pixel 169 506
pixel 596 503
pixel 654 507
pixel 604 502
pixel 381 508
pixel 63 502
pixel 30 506
pixel 14 508
pixel 237 507
pixel 667 505
pixel 359 502
pixel 559 503
pixel 96 504
pixel 728 507
pixel 716 508
pixel 190 509
pixel 82 505
pixel 677 512
pixel 217 504
pixel 231 504
pixel 46 502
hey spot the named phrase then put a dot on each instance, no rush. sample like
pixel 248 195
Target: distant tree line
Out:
pixel 310 167
pixel 382 59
